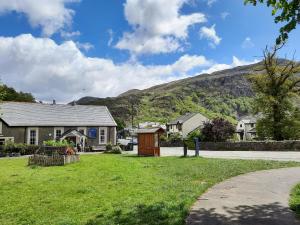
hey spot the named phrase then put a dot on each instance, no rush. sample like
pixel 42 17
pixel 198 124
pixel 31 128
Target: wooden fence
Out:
pixel 54 160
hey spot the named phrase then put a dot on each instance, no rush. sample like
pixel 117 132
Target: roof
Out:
pixel 150 130
pixel 182 118
pixel 72 132
pixel 248 119
pixel 37 114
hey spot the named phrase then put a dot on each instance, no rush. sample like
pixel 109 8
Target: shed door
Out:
pixel 146 142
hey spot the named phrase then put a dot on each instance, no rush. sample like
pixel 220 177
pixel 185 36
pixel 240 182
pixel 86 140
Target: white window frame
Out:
pixel 58 128
pixel 1 126
pixel 82 128
pixel 105 135
pixel 37 135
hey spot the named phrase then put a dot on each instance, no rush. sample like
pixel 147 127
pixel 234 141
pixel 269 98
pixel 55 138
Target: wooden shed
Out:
pixel 148 141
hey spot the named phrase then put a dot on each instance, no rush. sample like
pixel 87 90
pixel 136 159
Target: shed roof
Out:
pixel 37 114
pixel 182 118
pixel 150 130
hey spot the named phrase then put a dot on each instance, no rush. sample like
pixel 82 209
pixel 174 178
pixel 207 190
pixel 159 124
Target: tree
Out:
pixel 218 129
pixel 10 94
pixel 120 124
pixel 287 11
pixel 275 90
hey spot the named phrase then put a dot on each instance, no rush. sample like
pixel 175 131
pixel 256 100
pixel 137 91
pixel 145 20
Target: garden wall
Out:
pixel 55 160
pixel 251 146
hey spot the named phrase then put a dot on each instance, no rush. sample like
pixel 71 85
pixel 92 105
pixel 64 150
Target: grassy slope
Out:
pixel 295 199
pixel 109 189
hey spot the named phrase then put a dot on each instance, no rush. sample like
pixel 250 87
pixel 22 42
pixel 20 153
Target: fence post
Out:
pixel 197 146
pixel 184 149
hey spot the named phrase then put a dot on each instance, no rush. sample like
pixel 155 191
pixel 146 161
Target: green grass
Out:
pixel 295 199
pixel 112 189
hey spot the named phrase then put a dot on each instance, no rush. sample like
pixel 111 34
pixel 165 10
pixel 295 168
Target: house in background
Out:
pixel 185 124
pixel 246 128
pixel 34 123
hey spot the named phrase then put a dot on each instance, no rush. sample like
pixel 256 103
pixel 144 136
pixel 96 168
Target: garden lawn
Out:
pixel 295 199
pixel 112 189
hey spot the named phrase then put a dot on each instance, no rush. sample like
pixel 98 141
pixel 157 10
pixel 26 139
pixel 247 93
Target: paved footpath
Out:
pixel 269 155
pixel 258 198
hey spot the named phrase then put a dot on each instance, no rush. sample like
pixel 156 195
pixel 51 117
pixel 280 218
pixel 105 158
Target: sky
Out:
pixel 67 49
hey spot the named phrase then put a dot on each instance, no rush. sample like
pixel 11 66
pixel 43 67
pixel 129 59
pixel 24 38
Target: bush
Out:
pixel 54 143
pixel 23 149
pixel 217 130
pixel 189 141
pixel 108 147
pixel 113 150
pixel 175 137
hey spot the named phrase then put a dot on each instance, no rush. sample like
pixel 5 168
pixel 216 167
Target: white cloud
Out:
pixel 247 43
pixel 210 34
pixel 158 26
pixel 86 46
pixel 62 72
pixel 50 15
pixel 224 15
pixel 235 62
pixel 211 2
pixel 69 35
pixel 111 37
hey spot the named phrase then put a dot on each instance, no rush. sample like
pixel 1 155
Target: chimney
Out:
pixel 54 102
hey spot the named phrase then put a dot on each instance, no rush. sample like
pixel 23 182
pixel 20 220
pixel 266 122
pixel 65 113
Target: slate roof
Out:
pixel 248 119
pixel 37 114
pixel 149 130
pixel 182 118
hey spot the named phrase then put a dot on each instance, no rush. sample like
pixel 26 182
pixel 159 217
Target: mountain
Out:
pixel 224 93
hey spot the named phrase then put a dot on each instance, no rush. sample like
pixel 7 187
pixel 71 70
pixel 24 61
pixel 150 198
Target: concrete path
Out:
pixel 258 198
pixel 269 155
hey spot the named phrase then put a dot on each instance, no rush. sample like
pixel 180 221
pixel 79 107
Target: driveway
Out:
pixel 258 198
pixel 265 155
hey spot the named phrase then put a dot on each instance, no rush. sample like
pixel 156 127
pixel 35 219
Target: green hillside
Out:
pixel 224 93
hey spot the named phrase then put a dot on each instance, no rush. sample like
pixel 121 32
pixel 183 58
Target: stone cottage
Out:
pixel 34 123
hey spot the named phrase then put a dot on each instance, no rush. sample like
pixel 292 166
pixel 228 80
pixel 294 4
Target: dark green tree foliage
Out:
pixel 120 124
pixel 10 94
pixel 286 11
pixel 218 129
pixel 275 90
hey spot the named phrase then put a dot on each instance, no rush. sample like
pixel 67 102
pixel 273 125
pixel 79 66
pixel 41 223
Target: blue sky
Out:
pixel 66 49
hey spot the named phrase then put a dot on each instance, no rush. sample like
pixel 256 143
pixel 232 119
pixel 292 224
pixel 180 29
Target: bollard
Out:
pixel 197 146
pixel 184 150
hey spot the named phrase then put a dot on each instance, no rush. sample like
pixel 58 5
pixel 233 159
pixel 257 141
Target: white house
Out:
pixel 185 124
pixel 246 128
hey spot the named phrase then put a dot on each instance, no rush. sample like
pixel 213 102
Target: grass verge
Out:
pixel 295 199
pixel 113 189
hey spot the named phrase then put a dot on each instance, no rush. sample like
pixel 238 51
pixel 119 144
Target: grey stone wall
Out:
pixel 251 146
pixel 19 133
pixel 47 133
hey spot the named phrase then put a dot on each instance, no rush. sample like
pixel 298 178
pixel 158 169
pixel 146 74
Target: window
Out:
pixel 92 132
pixel 2 141
pixel 58 131
pixel 0 127
pixel 241 125
pixel 102 135
pixel 32 138
pixel 252 125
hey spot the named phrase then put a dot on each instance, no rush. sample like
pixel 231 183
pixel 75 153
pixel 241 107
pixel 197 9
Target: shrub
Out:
pixel 174 137
pixel 114 150
pixel 23 149
pixel 54 143
pixel 189 141
pixel 108 147
pixel 217 130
